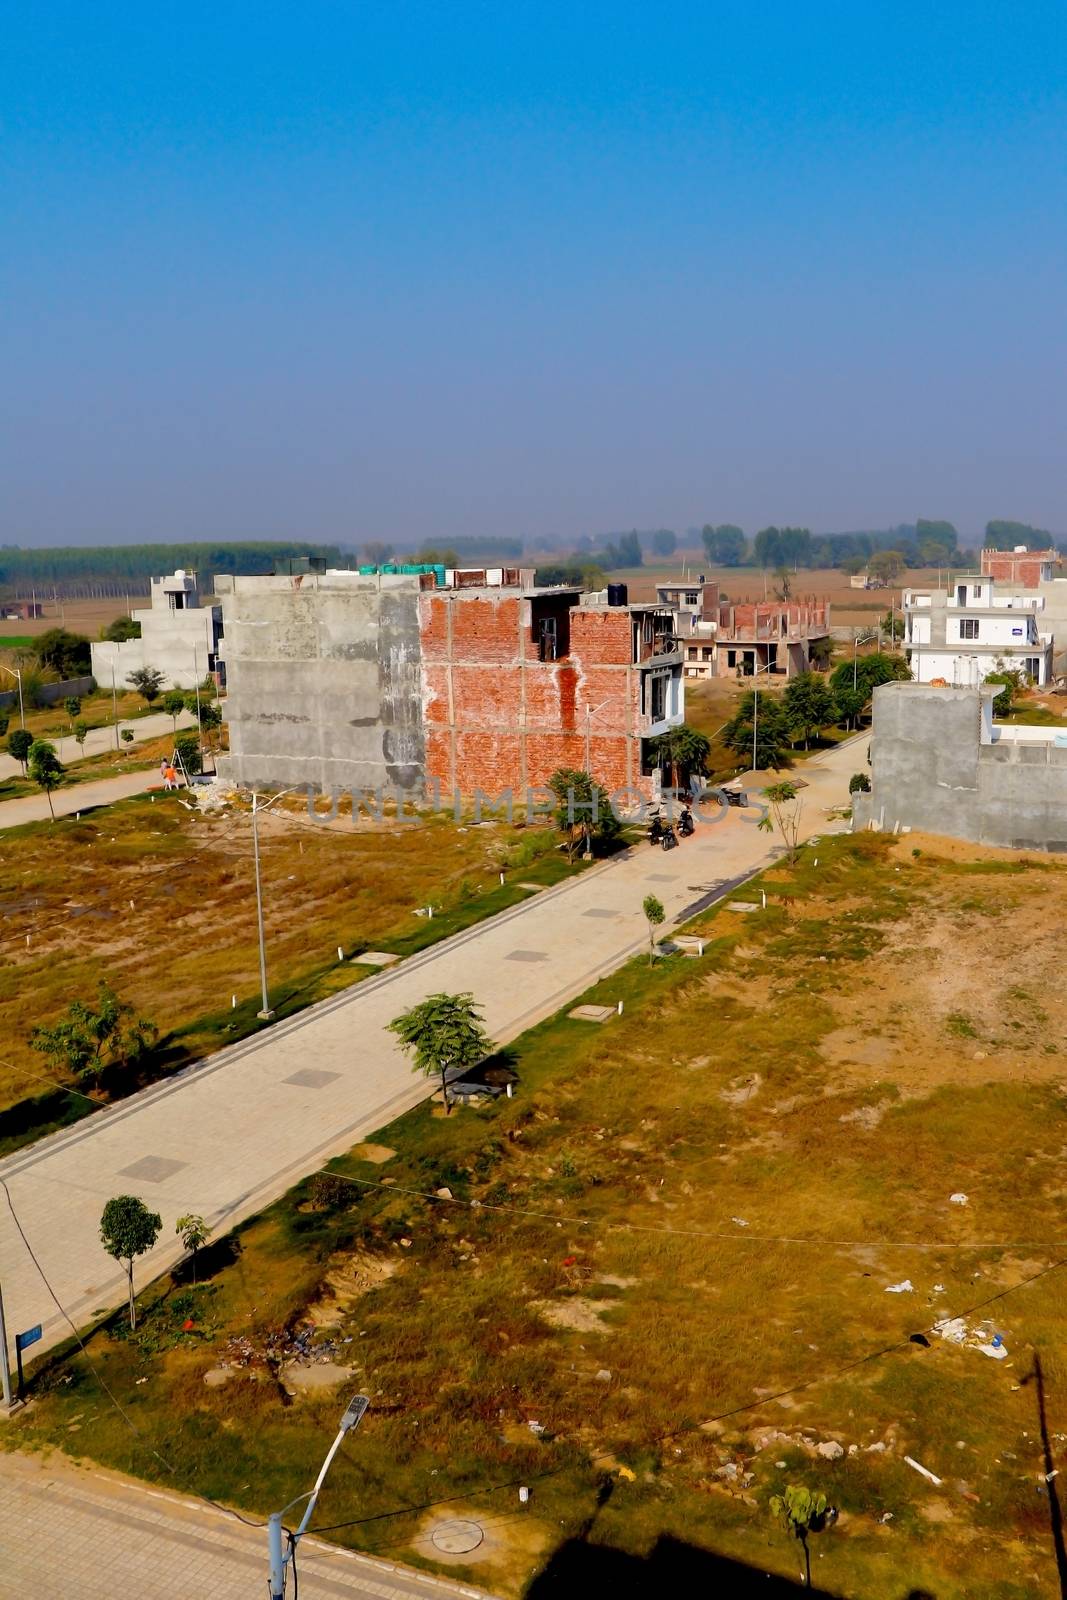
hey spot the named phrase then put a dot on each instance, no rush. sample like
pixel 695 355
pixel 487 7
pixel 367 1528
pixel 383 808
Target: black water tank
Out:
pixel 617 594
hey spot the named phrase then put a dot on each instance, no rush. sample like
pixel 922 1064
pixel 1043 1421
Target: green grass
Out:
pixel 611 1182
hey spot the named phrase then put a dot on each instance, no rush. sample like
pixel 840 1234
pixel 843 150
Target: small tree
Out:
pixel 771 730
pixel 583 810
pixel 210 718
pixel 88 1038
pixel 128 1230
pixel 802 1513
pixel 893 624
pixel 174 705
pixel 681 749
pixel 187 749
pixel 72 706
pixel 194 1234
pixel 849 703
pixel 809 704
pixel 784 814
pixel 121 629
pixel 654 916
pixel 46 769
pixel 81 733
pixel 442 1032
pixel 18 745
pixel 148 682
pixel 859 783
pixel 1002 702
pixel 127 736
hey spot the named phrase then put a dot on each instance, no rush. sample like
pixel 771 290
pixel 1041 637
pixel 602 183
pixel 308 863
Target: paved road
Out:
pixel 236 1130
pixel 82 797
pixel 98 1536
pixel 99 741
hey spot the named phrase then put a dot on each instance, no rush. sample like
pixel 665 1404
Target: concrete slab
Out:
pixel 592 1013
pixel 152 1169
pixel 311 1078
pixel 743 906
pixel 375 958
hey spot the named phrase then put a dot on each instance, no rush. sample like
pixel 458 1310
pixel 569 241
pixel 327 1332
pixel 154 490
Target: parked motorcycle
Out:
pixel 686 825
pixel 655 832
pixel 669 840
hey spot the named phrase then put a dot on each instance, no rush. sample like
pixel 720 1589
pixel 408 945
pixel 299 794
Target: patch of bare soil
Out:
pixel 345 1282
pixel 578 1314
pixel 507 1549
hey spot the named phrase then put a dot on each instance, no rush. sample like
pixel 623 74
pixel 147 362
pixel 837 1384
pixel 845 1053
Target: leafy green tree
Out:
pixel 127 736
pixel 1012 681
pixel 147 681
pixel 894 625
pixel 187 749
pixel 194 1234
pixel 431 557
pixel 174 705
pixel 654 916
pixel 88 1039
pixel 849 703
pixel 443 1032
pixel 870 671
pixel 128 1230
pixel 122 629
pixel 725 545
pixel 887 565
pixel 664 542
pixel 18 745
pixel 802 1513
pixel 821 652
pixel 583 811
pixel 809 704
pixel 72 706
pixel 682 750
pixel 69 654
pixel 81 733
pixel 784 814
pixel 45 768
pixel 772 730
pixel 782 547
pixel 859 783
pixel 1005 535
pixel 375 553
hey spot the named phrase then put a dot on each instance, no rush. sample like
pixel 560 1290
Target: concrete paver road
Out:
pixel 233 1132
pixel 82 797
pixel 99 741
pixel 68 1532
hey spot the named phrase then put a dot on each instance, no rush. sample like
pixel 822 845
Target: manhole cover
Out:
pixel 456 1538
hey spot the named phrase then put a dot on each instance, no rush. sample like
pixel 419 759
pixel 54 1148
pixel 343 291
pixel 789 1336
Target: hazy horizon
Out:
pixel 399 273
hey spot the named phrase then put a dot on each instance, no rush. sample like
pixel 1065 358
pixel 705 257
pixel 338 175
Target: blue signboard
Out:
pixel 31 1336
pixel 1016 633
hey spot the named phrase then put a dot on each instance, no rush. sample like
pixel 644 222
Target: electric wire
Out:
pixel 738 1235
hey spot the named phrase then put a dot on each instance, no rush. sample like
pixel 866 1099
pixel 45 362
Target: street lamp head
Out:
pixel 354 1412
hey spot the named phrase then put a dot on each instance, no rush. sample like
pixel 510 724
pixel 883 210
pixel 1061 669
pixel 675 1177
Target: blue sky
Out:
pixel 378 271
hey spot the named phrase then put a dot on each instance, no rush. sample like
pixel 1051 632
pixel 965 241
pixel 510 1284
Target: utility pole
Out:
pixel 114 705
pixel 5 1374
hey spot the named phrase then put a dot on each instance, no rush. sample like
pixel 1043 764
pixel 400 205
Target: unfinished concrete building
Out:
pixel 179 638
pixel 939 763
pixel 775 636
pixel 466 679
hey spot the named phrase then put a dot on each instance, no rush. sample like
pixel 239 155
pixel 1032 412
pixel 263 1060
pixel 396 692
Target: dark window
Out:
pixel 659 699
pixel 968 627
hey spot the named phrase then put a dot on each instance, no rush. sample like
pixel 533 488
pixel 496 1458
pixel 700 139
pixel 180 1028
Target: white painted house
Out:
pixel 179 637
pixel 959 635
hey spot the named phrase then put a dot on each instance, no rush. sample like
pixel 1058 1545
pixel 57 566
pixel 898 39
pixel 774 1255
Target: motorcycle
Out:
pixel 655 832
pixel 686 825
pixel 669 840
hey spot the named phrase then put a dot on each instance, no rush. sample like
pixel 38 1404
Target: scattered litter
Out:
pixel 957 1199
pixel 923 1471
pixel 995 1351
pixel 939 1288
pixel 740 1222
pixel 905 1286
pixel 1053 1474
pixel 830 1450
pixel 524 1493
pixel 954 1329
pixel 887 1516
pixel 537 1428
pixel 443 1194
pixel 604 1375
pixel 624 1472
pixel 139 1381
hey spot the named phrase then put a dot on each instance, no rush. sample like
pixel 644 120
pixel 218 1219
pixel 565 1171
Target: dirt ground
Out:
pixel 77 616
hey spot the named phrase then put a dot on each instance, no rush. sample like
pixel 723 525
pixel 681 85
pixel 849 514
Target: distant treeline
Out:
pixel 134 564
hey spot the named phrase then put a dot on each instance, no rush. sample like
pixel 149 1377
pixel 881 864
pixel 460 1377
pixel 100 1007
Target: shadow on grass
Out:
pixel 672 1568
pixel 210 1260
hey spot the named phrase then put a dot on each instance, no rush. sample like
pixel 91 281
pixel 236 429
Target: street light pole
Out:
pixel 5 1372
pixel 114 705
pixel 280 1559
pixel 264 1013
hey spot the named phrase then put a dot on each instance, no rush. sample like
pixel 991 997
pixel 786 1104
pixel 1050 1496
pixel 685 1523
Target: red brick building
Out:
pixel 520 683
pixel 769 636
pixel 1020 568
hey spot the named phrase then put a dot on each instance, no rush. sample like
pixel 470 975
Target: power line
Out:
pixel 739 1236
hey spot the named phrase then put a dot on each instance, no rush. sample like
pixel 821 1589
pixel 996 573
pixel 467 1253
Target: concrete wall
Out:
pixel 177 643
pixel 323 681
pixel 938 765
pixel 49 694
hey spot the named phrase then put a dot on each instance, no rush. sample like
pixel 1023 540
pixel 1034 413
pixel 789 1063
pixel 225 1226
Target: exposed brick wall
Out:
pixel 514 718
pixel 1021 569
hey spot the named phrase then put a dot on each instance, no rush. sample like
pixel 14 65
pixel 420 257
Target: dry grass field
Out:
pixel 654 1287
pixel 160 900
